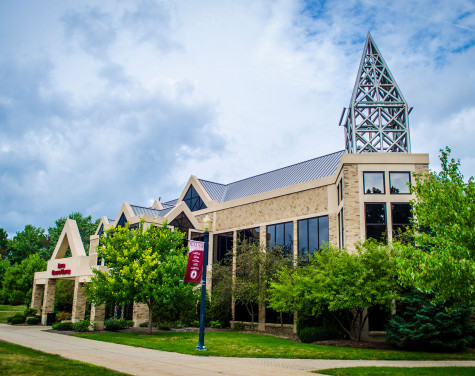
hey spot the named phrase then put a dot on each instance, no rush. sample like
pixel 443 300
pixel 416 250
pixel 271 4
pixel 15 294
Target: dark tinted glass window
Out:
pixel 193 200
pixel 222 245
pixel 341 228
pixel 282 235
pixel 122 221
pixel 249 234
pixel 399 182
pixel 401 216
pixel 313 234
pixel 373 182
pixel 101 230
pixel 375 216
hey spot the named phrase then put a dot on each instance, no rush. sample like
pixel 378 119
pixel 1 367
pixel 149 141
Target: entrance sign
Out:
pixel 194 269
pixel 62 270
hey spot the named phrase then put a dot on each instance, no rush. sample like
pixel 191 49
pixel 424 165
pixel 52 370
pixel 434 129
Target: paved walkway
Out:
pixel 138 361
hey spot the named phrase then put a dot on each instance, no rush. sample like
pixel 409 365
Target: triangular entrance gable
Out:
pixel 69 237
pixel 182 208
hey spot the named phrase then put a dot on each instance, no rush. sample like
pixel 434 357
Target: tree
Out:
pixel 4 266
pixel 334 280
pixel 441 259
pixel 86 226
pixel 28 242
pixel 146 265
pixel 4 243
pixel 256 267
pixel 18 280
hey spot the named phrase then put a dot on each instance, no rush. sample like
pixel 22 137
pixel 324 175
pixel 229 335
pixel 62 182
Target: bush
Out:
pixel 325 320
pixel 195 323
pixel 114 324
pixel 68 325
pixel 82 326
pixel 420 324
pixel 29 312
pixel 313 334
pixel 33 320
pixel 143 325
pixel 63 316
pixel 215 324
pixel 17 320
pixel 17 317
pixel 239 326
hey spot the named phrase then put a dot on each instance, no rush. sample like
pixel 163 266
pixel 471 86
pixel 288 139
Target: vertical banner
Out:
pixel 194 268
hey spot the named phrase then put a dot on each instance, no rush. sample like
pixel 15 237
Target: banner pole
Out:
pixel 201 341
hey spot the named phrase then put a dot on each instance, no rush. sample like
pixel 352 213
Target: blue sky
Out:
pixel 112 101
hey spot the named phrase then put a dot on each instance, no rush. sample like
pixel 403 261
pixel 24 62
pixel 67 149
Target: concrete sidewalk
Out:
pixel 139 361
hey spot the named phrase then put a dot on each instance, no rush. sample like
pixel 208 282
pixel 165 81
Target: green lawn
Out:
pixel 17 360
pixel 7 311
pixel 396 371
pixel 247 345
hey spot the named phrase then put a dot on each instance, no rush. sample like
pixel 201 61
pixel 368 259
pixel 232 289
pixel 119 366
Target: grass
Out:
pixel 247 345
pixel 7 311
pixel 397 371
pixel 17 360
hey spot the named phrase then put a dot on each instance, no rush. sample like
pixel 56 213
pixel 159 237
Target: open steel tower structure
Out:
pixel 377 119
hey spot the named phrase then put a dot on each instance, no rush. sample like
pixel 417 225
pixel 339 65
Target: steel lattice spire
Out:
pixel 377 119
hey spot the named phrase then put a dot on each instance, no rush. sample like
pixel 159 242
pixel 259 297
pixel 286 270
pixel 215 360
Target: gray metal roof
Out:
pixel 171 203
pixel 298 173
pixel 138 210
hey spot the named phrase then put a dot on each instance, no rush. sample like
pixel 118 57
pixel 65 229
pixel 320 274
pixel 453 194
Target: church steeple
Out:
pixel 377 119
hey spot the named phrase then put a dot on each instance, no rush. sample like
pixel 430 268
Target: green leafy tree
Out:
pixel 18 280
pixel 441 259
pixel 86 227
pixel 334 280
pixel 146 265
pixel 4 243
pixel 30 241
pixel 4 266
pixel 255 268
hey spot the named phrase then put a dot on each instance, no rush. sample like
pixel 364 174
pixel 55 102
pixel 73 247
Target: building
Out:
pixel 340 198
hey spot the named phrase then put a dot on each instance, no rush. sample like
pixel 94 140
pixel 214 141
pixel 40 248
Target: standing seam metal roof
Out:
pixel 298 173
pixel 138 210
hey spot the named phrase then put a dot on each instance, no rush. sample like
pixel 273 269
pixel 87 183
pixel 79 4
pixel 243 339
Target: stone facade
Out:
pixel 79 301
pixel 48 300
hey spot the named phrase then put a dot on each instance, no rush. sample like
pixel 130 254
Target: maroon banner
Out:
pixel 194 268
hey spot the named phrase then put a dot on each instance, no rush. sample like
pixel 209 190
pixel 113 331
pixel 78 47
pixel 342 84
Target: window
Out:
pixel 399 182
pixel 282 235
pixel 122 221
pixel 373 182
pixel 249 234
pixel 312 234
pixel 375 215
pixel 341 228
pixel 193 200
pixel 222 245
pixel 101 230
pixel 401 216
pixel 339 190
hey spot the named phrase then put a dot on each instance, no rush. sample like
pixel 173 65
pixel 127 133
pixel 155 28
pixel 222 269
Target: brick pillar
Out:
pixel 37 296
pixel 140 314
pixel 48 299
pixel 98 314
pixel 79 301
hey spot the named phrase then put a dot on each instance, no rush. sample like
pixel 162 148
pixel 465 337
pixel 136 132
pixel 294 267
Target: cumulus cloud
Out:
pixel 107 102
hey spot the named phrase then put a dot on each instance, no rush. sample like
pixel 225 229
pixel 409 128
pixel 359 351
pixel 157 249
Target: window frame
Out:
pixel 384 182
pixel 376 224
pixel 306 252
pixel 400 172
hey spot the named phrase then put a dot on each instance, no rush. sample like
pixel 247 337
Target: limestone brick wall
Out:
pixel 98 314
pixel 79 301
pixel 283 207
pixel 421 169
pixel 37 296
pixel 93 243
pixel 48 300
pixel 352 220
pixel 140 314
pixel 333 229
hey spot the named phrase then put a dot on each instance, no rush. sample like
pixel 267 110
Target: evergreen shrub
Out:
pixel 312 334
pixel 420 324
pixel 114 324
pixel 29 312
pixel 17 317
pixel 239 326
pixel 143 325
pixel 82 326
pixel 33 320
pixel 68 325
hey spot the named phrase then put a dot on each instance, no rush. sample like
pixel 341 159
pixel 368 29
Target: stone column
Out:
pixel 140 314
pixel 37 296
pixel 98 314
pixel 79 301
pixel 48 299
pixel 261 323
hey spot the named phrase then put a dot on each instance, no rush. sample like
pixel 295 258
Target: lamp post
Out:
pixel 206 224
